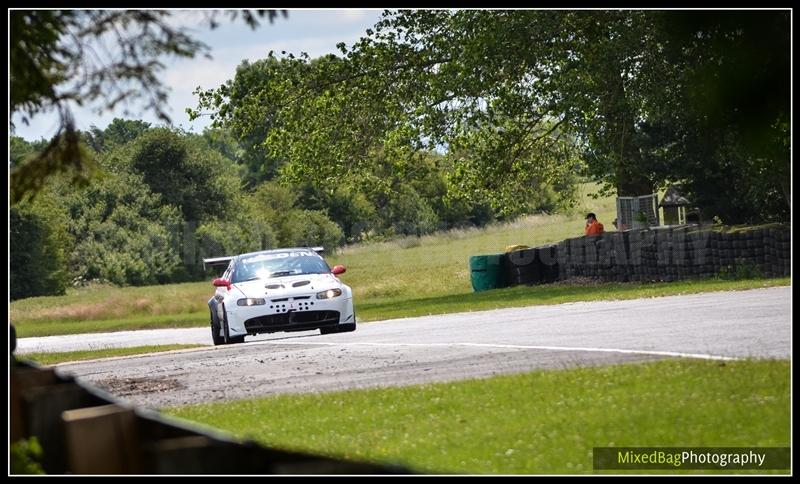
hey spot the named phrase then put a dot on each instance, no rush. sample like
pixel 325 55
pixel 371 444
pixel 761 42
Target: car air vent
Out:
pixel 274 286
pixel 301 283
pixel 302 297
pixel 281 299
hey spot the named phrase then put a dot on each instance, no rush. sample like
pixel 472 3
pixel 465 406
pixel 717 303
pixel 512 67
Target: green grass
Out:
pixel 406 277
pixel 63 357
pixel 43 327
pixel 106 302
pixel 541 422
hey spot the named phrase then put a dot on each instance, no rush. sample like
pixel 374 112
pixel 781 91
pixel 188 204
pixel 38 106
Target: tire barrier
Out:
pixel 548 257
pixel 523 267
pixel 657 254
pixel 675 253
pixel 84 430
pixel 532 266
pixel 488 272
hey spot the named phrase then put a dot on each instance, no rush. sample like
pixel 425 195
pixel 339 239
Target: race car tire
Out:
pixel 341 328
pixel 215 330
pixel 231 340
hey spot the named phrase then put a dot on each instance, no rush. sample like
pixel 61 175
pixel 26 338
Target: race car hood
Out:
pixel 288 286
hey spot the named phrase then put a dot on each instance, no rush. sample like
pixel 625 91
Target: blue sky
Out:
pixel 313 31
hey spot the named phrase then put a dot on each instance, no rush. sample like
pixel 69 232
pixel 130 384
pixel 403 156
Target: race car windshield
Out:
pixel 278 265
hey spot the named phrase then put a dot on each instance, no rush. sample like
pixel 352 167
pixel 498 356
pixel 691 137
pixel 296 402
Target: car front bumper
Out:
pixel 289 315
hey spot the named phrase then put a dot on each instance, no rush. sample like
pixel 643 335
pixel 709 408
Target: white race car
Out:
pixel 278 290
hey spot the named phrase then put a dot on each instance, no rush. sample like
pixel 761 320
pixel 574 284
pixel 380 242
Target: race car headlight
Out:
pixel 251 302
pixel 329 293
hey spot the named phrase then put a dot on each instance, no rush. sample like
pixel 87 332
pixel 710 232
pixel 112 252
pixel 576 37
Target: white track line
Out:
pixel 522 347
pixel 699 356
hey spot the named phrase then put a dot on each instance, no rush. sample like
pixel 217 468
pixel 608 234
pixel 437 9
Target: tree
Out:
pixel 530 97
pixel 695 98
pixel 344 203
pixel 118 132
pixel 602 86
pixel 38 250
pixel 59 57
pixel 338 118
pixel 197 181
pixel 123 232
pixel 19 151
pixel 277 205
pixel 309 228
pixel 730 142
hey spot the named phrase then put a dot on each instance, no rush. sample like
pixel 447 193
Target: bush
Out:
pixel 353 212
pixel 26 457
pixel 273 198
pixel 275 205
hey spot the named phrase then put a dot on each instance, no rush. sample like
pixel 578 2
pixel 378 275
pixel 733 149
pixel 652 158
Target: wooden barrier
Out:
pixel 84 430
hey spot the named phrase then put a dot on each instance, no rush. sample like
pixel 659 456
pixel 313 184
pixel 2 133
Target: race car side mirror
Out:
pixel 339 269
pixel 220 282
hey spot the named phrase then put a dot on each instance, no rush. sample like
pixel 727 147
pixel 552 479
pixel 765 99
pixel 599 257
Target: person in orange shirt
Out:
pixel 593 227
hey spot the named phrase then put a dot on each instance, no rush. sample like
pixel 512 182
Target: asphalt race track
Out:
pixel 721 325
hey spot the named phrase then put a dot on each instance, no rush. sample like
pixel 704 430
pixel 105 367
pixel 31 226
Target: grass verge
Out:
pixel 63 357
pixel 28 329
pixel 540 422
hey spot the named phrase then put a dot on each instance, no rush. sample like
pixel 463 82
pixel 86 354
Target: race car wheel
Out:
pixel 218 339
pixel 228 339
pixel 215 330
pixel 346 328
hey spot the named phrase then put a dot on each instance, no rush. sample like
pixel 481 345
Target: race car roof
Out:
pixel 224 261
pixel 278 251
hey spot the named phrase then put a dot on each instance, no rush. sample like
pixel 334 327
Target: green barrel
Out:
pixel 487 271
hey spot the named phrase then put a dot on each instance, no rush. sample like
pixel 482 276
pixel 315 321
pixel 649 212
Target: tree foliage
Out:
pixel 158 203
pixel 518 100
pixel 38 252
pixel 123 232
pixel 59 58
pixel 117 133
pixel 199 182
